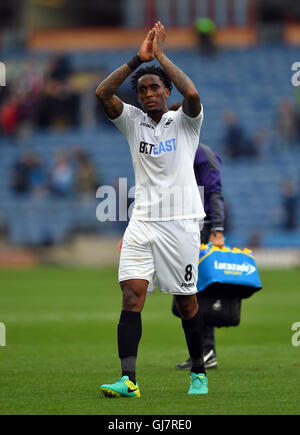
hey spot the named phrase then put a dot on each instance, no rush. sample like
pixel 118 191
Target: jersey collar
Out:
pixel 162 118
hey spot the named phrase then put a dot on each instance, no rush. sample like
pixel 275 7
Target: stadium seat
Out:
pixel 250 81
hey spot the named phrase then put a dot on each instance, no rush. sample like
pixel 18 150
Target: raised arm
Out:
pixel 105 91
pixel 191 104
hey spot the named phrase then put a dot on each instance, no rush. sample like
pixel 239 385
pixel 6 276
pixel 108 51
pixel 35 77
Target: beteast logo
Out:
pixel 158 148
pixel 2 74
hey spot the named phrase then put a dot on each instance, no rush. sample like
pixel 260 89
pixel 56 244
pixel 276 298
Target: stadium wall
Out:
pixel 107 39
pixel 91 251
pixel 115 39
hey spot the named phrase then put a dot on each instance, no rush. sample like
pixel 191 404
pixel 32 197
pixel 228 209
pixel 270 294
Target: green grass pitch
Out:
pixel 61 345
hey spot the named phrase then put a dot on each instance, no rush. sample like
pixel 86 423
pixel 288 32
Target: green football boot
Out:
pixel 198 384
pixel 123 387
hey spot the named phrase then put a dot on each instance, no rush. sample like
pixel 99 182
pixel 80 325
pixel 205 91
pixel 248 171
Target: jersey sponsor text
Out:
pixel 159 148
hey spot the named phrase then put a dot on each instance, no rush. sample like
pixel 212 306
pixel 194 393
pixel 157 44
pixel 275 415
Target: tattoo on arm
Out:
pixel 108 86
pixel 180 80
pixel 191 104
pixel 112 105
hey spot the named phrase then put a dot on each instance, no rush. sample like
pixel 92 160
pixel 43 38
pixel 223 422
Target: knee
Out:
pixel 175 310
pixel 132 300
pixel 187 307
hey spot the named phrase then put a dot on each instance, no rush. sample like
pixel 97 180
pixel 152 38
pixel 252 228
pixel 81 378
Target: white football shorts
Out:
pixel 165 253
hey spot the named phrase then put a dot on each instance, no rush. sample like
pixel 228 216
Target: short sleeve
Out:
pixel 191 124
pixel 127 120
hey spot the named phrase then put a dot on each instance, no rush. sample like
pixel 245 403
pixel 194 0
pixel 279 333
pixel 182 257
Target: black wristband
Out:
pixel 135 62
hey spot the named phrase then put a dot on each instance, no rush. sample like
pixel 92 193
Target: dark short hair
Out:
pixel 152 69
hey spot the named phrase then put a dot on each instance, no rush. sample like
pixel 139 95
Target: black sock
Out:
pixel 131 375
pixel 193 329
pixel 128 364
pixel 129 335
pixel 209 339
pixel 198 369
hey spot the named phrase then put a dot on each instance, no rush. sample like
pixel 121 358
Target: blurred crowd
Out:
pixel 70 175
pixel 288 216
pixel 285 217
pixel 50 95
pixel 285 134
pixel 39 96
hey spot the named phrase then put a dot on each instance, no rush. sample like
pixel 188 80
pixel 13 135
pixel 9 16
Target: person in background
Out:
pixel 287 122
pixel 289 205
pixel 206 30
pixel 28 175
pixel 58 105
pixel 234 140
pixel 86 178
pixel 62 176
pixel 10 116
pixel 207 168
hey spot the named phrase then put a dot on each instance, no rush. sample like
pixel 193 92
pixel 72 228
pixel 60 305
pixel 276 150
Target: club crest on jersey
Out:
pixel 168 123
pixel 158 148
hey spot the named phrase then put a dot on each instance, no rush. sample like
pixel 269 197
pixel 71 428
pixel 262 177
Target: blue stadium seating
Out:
pixel 250 81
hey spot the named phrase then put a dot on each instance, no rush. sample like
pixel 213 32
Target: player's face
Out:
pixel 152 93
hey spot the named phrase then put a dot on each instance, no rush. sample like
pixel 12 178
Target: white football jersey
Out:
pixel 163 162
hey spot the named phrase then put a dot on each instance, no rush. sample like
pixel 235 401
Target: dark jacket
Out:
pixel 207 168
